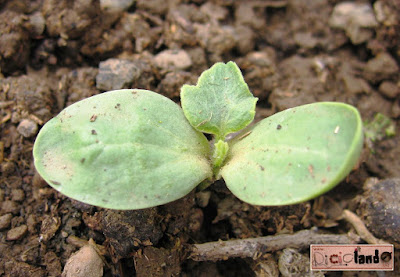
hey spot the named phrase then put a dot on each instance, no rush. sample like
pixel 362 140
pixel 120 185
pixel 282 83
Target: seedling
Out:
pixel 379 128
pixel 134 149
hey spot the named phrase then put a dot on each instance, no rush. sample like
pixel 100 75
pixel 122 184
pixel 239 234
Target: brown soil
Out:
pixel 54 53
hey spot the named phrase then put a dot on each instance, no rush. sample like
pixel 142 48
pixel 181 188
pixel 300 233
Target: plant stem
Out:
pixel 218 157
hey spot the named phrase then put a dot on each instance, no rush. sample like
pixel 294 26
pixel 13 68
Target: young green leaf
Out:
pixel 220 103
pixel 294 155
pixel 380 127
pixel 219 154
pixel 124 149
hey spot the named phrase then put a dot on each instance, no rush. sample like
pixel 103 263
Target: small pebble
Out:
pixel 84 263
pixel 384 13
pixel 178 59
pixel 116 74
pixel 116 5
pixel 17 233
pixel 305 40
pixel 380 68
pixel 18 195
pixel 379 207
pixel 202 198
pixel 5 221
pixel 37 23
pixel 32 223
pixel 9 206
pixel 354 85
pixel 357 19
pixel 389 89
pixel 27 128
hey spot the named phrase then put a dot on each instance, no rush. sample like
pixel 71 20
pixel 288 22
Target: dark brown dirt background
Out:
pixel 54 53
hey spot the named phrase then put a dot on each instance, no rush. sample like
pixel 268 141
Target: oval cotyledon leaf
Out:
pixel 123 149
pixel 294 155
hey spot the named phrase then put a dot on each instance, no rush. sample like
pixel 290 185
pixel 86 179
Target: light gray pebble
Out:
pixel 116 5
pixel 356 19
pixel 37 23
pixel 178 59
pixel 116 74
pixel 27 128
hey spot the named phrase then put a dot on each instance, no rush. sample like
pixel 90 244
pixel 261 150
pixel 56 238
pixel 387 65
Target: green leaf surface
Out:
pixel 220 103
pixel 294 155
pixel 124 149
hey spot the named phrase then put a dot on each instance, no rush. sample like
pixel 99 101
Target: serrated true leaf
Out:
pixel 294 155
pixel 220 103
pixel 124 149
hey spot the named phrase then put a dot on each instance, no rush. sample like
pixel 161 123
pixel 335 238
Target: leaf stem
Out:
pixel 218 157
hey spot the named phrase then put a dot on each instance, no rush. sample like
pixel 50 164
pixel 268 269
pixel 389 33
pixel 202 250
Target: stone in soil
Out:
pixel 5 221
pixel 381 67
pixel 18 195
pixel 357 19
pixel 27 128
pixel 116 74
pixel 176 59
pixel 9 206
pixel 116 6
pixel 389 89
pixel 380 209
pixel 84 263
pixel 17 233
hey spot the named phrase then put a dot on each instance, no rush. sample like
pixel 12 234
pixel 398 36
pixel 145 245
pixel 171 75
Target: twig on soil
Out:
pixel 360 228
pixel 6 118
pixel 256 247
pixel 6 104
